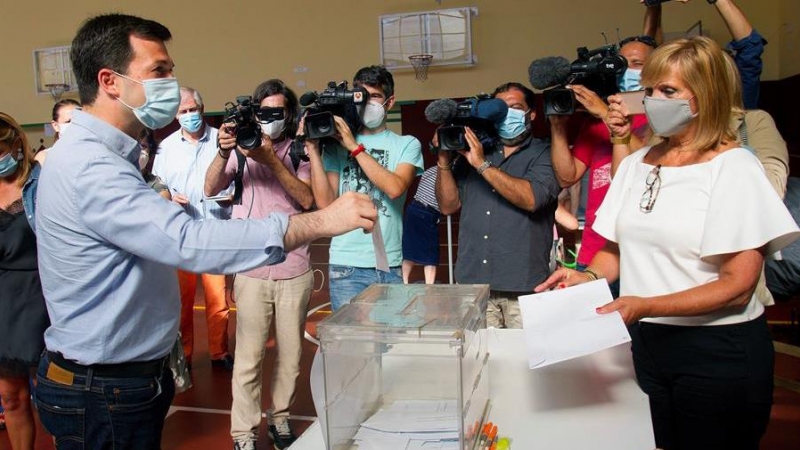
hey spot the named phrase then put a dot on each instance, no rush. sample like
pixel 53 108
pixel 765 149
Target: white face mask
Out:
pixel 373 114
pixel 144 158
pixel 62 128
pixel 273 129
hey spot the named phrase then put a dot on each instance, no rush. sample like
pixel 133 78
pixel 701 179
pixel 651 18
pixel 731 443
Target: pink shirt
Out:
pixel 593 148
pixel 263 194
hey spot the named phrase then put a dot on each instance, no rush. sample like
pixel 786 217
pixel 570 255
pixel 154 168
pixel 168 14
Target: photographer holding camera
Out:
pixel 507 193
pixel 599 146
pixel 270 182
pixel 181 162
pixel 376 162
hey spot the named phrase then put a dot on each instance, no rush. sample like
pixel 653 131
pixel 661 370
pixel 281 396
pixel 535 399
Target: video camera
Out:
pixel 482 114
pixel 247 117
pixel 335 100
pixel 596 69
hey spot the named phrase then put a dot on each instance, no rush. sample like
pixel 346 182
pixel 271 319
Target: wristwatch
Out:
pixel 482 168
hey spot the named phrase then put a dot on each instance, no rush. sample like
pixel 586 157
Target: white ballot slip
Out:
pixel 563 324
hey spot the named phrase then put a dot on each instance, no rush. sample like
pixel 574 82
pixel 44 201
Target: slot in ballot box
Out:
pixel 406 362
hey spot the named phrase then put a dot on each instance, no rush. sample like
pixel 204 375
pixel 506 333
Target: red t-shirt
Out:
pixel 593 148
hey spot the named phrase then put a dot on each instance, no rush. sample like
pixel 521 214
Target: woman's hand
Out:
pixel 617 120
pixel 562 278
pixel 630 308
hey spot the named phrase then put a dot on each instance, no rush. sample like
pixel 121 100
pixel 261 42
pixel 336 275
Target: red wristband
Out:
pixel 358 150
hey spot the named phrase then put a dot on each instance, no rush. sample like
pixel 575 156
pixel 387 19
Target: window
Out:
pixel 445 34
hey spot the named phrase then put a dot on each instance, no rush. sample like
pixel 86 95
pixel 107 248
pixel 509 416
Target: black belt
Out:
pixel 123 370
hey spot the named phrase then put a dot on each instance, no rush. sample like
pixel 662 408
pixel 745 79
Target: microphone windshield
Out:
pixel 550 71
pixel 491 109
pixel 441 111
pixel 308 98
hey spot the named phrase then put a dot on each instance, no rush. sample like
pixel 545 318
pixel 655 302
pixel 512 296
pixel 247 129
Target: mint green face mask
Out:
pixel 8 165
pixel 162 99
pixel 513 125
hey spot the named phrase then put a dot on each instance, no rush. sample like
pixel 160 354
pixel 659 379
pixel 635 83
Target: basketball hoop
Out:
pixel 57 89
pixel 421 64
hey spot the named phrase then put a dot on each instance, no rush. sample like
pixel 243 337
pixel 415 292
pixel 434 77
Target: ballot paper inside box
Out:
pixel 405 367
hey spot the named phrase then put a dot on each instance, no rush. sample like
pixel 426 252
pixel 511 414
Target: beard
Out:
pixel 513 142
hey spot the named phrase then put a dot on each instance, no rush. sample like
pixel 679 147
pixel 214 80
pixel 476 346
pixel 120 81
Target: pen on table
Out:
pixel 484 435
pixel 490 437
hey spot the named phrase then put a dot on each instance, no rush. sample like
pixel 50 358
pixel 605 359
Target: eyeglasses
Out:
pixel 653 183
pixel 644 39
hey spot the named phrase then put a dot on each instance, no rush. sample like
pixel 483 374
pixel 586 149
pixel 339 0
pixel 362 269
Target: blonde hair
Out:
pixel 10 131
pixel 702 65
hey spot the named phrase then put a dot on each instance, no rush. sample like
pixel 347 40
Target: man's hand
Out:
pixel 348 212
pixel 475 155
pixel 591 101
pixel 263 154
pixel 180 199
pixel 226 137
pixel 344 135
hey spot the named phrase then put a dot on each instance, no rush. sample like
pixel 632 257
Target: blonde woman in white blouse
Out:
pixel 689 223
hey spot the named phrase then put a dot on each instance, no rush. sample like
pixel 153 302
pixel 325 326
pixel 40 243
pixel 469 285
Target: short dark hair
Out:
pixel 377 77
pixel 530 97
pixel 104 42
pixel 644 39
pixel 63 102
pixel 274 87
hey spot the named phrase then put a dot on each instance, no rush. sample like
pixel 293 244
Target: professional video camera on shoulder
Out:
pixel 247 118
pixel 482 114
pixel 335 100
pixel 596 69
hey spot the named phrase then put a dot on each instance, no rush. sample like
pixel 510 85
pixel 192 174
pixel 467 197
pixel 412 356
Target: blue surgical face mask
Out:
pixel 629 81
pixel 162 99
pixel 514 124
pixel 191 121
pixel 8 165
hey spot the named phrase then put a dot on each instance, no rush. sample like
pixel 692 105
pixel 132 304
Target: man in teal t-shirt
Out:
pixel 376 162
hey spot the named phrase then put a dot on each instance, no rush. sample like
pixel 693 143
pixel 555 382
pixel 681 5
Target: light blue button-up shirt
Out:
pixel 108 245
pixel 182 165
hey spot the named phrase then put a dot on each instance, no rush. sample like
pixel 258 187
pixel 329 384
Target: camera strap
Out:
pixel 237 181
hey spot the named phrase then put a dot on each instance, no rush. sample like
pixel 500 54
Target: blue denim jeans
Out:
pixel 104 413
pixel 346 282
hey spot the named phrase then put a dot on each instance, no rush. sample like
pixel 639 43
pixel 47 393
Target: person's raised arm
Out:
pixel 567 168
pixel 216 178
pixel 652 23
pixel 393 184
pixel 324 185
pixel 446 187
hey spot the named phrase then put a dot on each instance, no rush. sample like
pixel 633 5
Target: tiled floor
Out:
pixel 200 417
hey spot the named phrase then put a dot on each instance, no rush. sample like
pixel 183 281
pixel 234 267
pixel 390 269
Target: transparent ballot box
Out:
pixel 405 367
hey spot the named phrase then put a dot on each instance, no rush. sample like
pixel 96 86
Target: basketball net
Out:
pixel 56 90
pixel 421 64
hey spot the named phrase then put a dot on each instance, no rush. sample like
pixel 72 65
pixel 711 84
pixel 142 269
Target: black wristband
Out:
pixel 711 2
pixel 220 150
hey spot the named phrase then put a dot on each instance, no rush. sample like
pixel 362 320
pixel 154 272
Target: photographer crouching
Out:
pixel 255 143
pixel 507 193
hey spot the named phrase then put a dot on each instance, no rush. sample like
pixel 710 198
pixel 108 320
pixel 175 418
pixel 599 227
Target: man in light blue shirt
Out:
pixel 182 162
pixel 107 245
